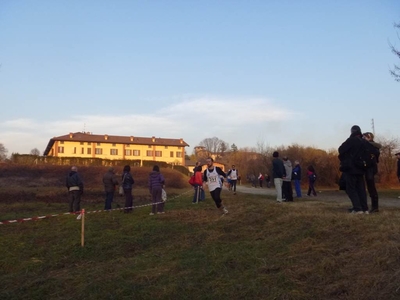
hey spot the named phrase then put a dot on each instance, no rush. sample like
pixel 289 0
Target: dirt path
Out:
pixel 335 196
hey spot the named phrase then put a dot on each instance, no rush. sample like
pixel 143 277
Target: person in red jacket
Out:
pixel 198 185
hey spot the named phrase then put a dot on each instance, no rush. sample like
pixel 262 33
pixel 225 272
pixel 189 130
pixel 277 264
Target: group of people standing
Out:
pixel 283 173
pixel 356 175
pixel 156 183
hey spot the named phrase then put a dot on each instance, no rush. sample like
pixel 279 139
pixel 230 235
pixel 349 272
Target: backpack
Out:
pixel 364 158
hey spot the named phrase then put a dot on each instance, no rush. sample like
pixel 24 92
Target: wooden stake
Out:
pixel 83 228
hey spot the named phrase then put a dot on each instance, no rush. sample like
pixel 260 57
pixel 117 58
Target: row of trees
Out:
pixel 4 151
pixel 259 159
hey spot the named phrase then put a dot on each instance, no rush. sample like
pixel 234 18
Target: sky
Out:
pixel 272 72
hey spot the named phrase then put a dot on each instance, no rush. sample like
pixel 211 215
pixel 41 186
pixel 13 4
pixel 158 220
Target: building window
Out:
pixel 98 151
pixel 60 150
pixel 149 146
pixel 128 152
pixel 82 150
pixel 166 147
pixel 82 143
pixel 89 143
pixel 113 151
pixel 158 153
pixel 98 144
pixel 89 150
pixel 74 152
pixel 178 154
pixel 136 152
pixel 171 154
pixel 149 153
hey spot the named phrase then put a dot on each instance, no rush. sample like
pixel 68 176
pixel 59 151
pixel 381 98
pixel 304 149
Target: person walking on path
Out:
pixel 287 190
pixel 74 185
pixel 127 183
pixel 398 165
pixel 353 175
pixel 267 180
pixel 110 182
pixel 156 184
pixel 211 177
pixel 233 174
pixel 312 177
pixel 372 170
pixel 278 173
pixel 260 179
pixel 296 177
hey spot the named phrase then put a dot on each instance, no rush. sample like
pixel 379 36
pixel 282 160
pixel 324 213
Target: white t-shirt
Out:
pixel 213 179
pixel 233 175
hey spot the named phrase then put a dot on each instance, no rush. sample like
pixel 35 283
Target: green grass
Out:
pixel 260 250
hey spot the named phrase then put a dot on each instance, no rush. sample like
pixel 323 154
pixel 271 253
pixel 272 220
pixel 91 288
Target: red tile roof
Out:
pixel 115 139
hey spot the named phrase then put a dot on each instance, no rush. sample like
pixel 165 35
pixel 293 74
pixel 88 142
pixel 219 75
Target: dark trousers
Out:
pixel 373 193
pixel 198 194
pixel 233 184
pixel 74 201
pixel 260 181
pixel 128 200
pixel 287 191
pixel 109 199
pixel 216 196
pixel 311 188
pixel 355 189
pixel 156 197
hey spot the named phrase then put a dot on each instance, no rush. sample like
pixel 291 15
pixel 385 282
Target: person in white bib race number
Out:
pixel 212 178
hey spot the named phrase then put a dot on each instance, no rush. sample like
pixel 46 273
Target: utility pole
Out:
pixel 373 126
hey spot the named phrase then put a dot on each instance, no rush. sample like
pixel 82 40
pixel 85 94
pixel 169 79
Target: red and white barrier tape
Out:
pixel 86 212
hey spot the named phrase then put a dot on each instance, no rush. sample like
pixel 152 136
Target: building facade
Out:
pixel 88 145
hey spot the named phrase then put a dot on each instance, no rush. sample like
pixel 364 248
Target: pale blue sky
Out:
pixel 277 72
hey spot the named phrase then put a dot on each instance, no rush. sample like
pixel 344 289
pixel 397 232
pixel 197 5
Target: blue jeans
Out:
pixel 109 199
pixel 198 189
pixel 297 188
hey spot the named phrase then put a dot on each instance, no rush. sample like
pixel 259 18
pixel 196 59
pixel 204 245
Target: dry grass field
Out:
pixel 308 249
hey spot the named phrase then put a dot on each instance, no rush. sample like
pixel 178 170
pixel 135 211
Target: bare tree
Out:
pixel 35 151
pixel 214 146
pixel 396 69
pixel 387 161
pixel 3 152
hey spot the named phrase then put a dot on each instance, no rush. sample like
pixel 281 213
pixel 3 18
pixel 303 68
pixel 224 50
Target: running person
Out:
pixel 212 178
pixel 233 174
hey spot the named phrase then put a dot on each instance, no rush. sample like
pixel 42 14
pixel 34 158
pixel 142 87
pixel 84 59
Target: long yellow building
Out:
pixel 88 145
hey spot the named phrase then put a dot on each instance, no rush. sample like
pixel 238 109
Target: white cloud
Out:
pixel 234 120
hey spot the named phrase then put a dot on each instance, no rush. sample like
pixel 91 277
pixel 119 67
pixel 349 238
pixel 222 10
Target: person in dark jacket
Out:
pixel 372 170
pixel 278 173
pixel 156 184
pixel 398 165
pixel 110 181
pixel 296 177
pixel 127 183
pixel 312 177
pixel 354 176
pixel 74 185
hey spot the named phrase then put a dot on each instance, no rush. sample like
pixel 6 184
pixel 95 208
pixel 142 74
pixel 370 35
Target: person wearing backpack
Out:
pixel 354 175
pixel 372 170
